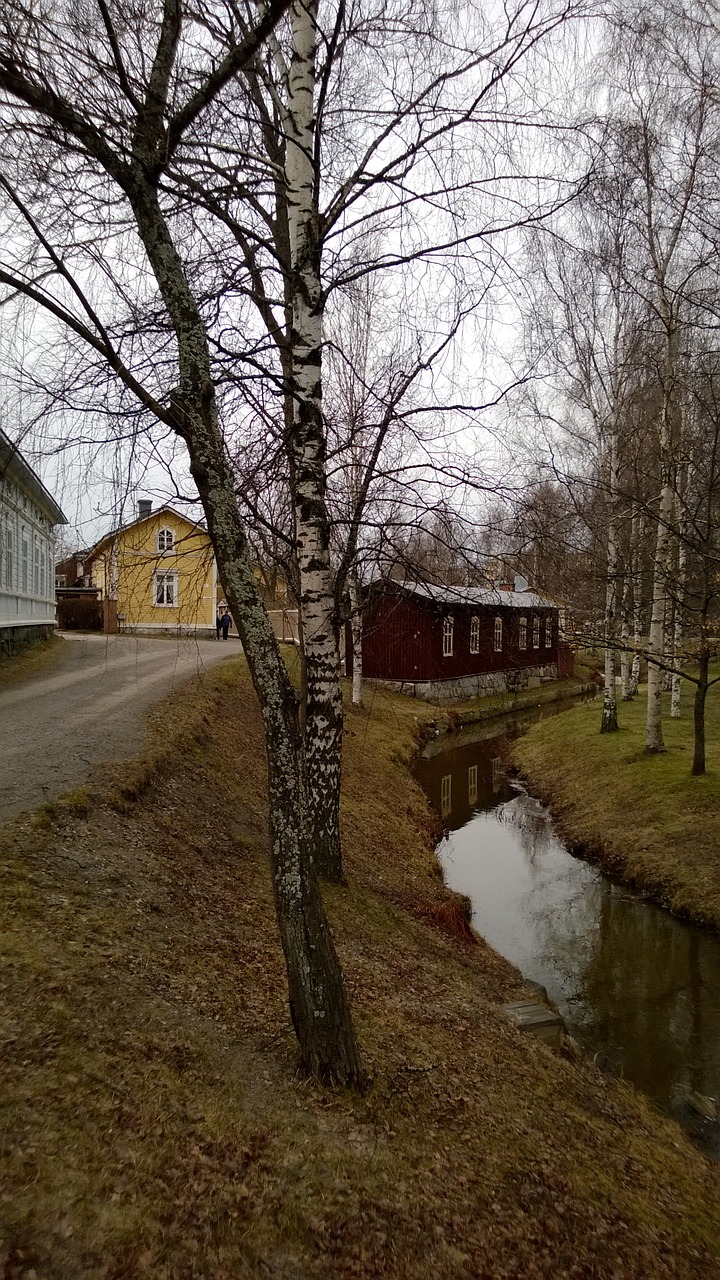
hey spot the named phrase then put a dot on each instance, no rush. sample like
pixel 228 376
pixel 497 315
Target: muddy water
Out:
pixel 638 989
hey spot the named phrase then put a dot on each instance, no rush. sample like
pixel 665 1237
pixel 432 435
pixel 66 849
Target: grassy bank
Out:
pixel 153 1119
pixel 38 660
pixel 642 817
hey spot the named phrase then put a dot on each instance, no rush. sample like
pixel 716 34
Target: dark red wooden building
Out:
pixel 444 642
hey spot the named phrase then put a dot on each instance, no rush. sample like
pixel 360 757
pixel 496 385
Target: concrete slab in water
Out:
pixel 538 1019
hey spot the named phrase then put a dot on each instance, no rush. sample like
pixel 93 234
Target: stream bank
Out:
pixel 480 711
pixel 636 988
pixel 641 818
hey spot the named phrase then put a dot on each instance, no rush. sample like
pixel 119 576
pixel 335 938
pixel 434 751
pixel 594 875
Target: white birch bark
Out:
pixel 356 624
pixel 675 688
pixel 609 722
pixel 323 712
pixel 654 741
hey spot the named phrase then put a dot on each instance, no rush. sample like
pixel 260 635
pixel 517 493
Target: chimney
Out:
pixel 144 508
pixel 506 586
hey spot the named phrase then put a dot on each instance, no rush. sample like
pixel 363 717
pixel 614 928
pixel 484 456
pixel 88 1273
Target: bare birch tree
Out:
pixel 87 111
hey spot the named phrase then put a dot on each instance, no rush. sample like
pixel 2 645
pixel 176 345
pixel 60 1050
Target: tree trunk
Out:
pixel 698 764
pixel 625 653
pixel 318 1001
pixel 678 632
pixel 637 538
pixel 323 712
pixel 609 722
pixel 356 624
pixel 654 741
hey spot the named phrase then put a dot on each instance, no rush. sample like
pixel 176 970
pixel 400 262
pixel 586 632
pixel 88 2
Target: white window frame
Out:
pixel 522 632
pixel 448 635
pixel 161 580
pixel 165 540
pixel 548 631
pixel 474 634
pixel 498 636
pixel 536 631
pixel 24 562
pixel 472 785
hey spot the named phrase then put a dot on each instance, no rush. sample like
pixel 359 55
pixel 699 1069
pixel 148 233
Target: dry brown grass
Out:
pixel 36 661
pixel 153 1119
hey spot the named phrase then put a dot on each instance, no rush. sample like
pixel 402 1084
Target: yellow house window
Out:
pixel 165 589
pixel 165 540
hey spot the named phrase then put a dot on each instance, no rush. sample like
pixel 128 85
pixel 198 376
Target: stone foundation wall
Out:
pixel 476 686
pixel 16 639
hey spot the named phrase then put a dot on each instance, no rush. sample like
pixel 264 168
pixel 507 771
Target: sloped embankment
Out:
pixel 644 818
pixel 153 1120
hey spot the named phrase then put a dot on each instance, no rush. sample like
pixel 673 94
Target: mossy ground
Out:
pixel 643 817
pixel 153 1119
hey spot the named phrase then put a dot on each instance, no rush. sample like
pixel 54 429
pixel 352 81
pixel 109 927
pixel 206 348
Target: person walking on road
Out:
pixel 225 623
pixel 218 623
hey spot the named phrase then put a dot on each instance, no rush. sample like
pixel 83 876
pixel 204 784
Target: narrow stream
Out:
pixel 638 989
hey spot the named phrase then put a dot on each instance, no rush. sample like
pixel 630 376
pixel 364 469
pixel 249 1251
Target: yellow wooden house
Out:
pixel 156 574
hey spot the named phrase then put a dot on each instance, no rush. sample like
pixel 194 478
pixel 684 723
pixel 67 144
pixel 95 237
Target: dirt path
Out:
pixel 54 729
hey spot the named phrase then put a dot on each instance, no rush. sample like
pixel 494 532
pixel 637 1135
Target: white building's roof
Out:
pixel 14 465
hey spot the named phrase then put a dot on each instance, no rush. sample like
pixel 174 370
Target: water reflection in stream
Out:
pixel 636 987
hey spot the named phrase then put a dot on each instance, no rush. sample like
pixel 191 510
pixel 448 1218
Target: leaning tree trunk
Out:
pixel 323 711
pixel 698 764
pixel 318 1001
pixel 319 1006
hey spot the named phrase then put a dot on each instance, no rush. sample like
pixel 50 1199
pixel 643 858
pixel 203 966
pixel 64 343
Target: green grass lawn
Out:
pixel 642 816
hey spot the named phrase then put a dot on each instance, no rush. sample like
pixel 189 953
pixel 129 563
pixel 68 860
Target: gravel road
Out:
pixel 54 729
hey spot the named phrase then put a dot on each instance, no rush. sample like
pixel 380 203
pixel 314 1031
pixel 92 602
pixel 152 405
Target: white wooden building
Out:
pixel 28 516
